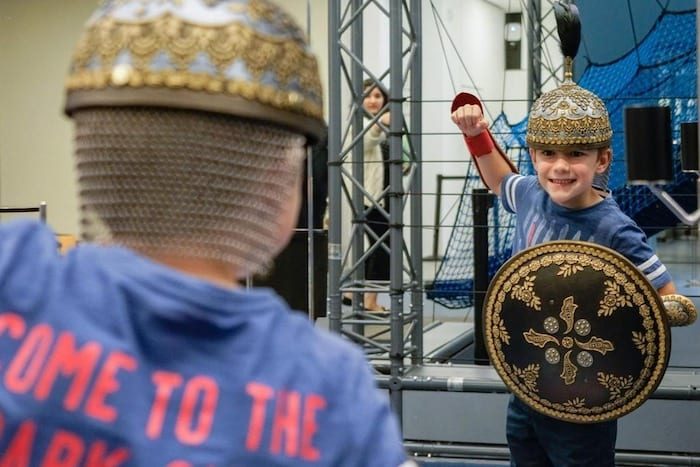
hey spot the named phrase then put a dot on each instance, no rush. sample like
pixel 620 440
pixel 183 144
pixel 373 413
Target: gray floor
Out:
pixel 681 254
pixel 678 249
pixel 433 311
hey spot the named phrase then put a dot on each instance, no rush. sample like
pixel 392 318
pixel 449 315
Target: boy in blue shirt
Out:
pixel 559 203
pixel 569 137
pixel 141 348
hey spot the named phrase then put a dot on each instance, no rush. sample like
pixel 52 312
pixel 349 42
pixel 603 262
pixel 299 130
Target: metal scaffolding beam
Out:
pixel 383 337
pixel 545 61
pixel 395 338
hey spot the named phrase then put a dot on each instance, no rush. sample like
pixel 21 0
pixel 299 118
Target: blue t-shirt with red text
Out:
pixel 109 359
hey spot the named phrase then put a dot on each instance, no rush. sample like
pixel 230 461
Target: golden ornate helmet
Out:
pixel 569 115
pixel 191 120
pixel 245 58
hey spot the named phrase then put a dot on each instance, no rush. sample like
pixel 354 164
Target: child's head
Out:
pixel 193 153
pixel 568 129
pixel 570 125
pixel 375 97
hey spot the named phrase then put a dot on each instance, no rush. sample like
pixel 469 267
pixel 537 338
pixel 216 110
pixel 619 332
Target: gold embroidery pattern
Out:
pixel 597 344
pixel 613 298
pixel 576 403
pixel 640 341
pixel 569 369
pixel 623 285
pixel 500 332
pixel 526 294
pixel 528 375
pixel 567 270
pixel 539 340
pixel 615 384
pixel 568 309
pixel 169 52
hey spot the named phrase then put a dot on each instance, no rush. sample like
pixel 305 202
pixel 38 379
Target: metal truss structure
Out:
pixel 394 339
pixel 394 336
pixel 546 65
pixel 452 410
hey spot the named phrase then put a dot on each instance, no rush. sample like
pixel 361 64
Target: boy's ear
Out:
pixel 604 159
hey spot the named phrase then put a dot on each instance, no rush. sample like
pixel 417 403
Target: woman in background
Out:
pixel 376 179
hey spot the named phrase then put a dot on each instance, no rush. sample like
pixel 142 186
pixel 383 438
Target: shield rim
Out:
pixel 657 311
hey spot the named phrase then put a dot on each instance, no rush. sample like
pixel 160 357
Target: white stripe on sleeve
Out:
pixel 657 273
pixel 642 267
pixel 510 191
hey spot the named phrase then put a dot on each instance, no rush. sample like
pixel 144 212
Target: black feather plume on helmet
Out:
pixel 568 27
pixel 568 116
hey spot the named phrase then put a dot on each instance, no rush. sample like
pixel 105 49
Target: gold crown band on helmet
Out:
pixel 243 58
pixel 569 116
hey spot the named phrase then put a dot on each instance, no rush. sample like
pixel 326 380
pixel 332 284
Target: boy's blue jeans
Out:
pixel 536 440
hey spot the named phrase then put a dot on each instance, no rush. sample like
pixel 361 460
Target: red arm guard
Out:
pixel 483 143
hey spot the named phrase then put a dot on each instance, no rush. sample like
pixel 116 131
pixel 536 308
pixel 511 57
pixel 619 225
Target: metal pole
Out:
pixel 534 38
pixel 490 383
pixel 455 450
pixel 481 201
pixel 416 188
pixel 310 233
pixel 309 206
pixel 334 190
pixel 449 384
pixel 435 450
pixel 42 211
pixel 395 199
pixel 358 160
pixel 438 209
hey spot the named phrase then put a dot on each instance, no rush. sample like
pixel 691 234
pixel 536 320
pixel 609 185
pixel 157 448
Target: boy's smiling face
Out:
pixel 567 175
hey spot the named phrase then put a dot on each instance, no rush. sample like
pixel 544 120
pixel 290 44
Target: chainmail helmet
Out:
pixel 569 115
pixel 191 122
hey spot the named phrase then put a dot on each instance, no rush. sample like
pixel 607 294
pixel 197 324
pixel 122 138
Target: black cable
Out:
pixel 663 8
pixel 442 45
pixel 503 88
pixel 634 34
pixel 464 66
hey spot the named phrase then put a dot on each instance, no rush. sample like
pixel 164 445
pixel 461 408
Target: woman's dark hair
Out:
pixel 370 83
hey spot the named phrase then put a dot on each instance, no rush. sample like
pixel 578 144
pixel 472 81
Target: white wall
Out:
pixel 312 16
pixel 37 38
pixel 36 41
pixel 470 57
pixel 472 33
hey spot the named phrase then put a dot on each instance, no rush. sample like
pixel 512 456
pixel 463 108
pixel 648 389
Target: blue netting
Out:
pixel 661 70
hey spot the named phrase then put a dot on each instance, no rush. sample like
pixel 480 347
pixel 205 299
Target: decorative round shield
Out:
pixel 576 331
